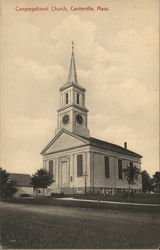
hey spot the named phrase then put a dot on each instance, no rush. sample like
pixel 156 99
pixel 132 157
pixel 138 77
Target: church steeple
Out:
pixel 72 76
pixel 72 114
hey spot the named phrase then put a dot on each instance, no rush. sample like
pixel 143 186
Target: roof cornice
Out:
pixel 72 84
pixel 73 105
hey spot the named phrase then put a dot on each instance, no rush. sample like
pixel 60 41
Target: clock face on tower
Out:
pixel 79 119
pixel 65 119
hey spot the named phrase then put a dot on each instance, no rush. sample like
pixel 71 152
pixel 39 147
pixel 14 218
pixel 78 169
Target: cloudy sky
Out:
pixel 117 62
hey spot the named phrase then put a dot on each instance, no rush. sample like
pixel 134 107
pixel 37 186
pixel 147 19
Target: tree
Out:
pixel 131 174
pixel 4 176
pixel 156 182
pixel 42 179
pixel 7 186
pixel 10 188
pixel 146 182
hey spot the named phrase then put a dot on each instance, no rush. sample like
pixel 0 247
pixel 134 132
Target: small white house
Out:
pixel 23 184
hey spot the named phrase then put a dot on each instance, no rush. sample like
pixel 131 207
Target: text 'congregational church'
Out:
pixel 77 161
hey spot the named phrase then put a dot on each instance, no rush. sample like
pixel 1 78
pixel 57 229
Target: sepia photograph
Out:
pixel 79 124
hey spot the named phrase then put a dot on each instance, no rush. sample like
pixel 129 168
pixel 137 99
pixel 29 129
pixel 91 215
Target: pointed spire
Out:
pixel 72 76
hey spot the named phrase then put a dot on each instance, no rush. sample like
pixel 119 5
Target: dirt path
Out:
pixel 46 226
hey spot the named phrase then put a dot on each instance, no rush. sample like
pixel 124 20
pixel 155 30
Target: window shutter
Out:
pixel 107 172
pixel 131 171
pixel 120 169
pixel 51 167
pixel 79 165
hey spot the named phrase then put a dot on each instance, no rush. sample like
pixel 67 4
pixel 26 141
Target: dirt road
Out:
pixel 40 226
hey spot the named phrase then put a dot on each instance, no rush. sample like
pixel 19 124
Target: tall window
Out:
pixel 79 165
pixel 131 171
pixel 120 169
pixel 106 164
pixel 77 98
pixel 51 167
pixel 67 98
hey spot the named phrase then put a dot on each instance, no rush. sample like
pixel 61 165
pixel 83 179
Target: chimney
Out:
pixel 125 145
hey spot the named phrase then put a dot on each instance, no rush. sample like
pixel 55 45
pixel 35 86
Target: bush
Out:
pixel 25 195
pixel 9 189
pixel 57 195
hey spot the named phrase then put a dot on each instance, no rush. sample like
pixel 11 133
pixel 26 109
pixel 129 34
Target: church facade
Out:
pixel 77 161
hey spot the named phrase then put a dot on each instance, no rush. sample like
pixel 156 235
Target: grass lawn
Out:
pixel 137 198
pixel 69 203
pixel 37 226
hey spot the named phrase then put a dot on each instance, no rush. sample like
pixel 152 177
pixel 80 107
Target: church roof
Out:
pixel 22 180
pixel 112 147
pixel 95 142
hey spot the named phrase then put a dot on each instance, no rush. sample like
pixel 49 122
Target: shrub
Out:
pixel 57 195
pixel 25 195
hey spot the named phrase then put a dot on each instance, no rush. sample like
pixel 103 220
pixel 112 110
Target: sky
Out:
pixel 116 53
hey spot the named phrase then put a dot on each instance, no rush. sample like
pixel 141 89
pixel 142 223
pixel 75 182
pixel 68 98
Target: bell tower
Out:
pixel 72 114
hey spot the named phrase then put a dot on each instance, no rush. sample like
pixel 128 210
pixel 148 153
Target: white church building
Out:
pixel 77 161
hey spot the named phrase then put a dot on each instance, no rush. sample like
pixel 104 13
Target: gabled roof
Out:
pixel 83 139
pixel 22 180
pixel 94 142
pixel 112 147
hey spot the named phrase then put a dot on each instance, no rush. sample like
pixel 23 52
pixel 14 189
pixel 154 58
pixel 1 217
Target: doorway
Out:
pixel 64 174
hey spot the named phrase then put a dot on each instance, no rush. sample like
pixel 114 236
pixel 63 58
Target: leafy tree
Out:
pixel 146 182
pixel 4 176
pixel 156 182
pixel 10 188
pixel 7 187
pixel 42 179
pixel 131 174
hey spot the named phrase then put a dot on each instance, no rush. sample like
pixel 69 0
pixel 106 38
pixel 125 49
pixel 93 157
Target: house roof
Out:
pixel 22 180
pixel 97 143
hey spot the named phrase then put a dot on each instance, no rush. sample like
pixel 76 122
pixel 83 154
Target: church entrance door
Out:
pixel 64 174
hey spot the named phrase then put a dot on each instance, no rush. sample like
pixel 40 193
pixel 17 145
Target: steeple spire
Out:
pixel 72 76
